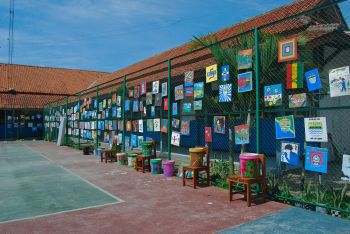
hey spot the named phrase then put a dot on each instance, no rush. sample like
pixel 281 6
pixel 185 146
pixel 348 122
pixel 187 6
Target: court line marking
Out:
pixel 118 200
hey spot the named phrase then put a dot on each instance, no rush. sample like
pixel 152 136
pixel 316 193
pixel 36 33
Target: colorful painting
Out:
pixel 133 140
pixel 346 168
pixel 313 80
pixel 185 127
pixel 150 125
pixel 141 105
pixel 189 92
pixel 155 87
pixel 127 105
pixel 219 124
pixel 136 91
pixel 197 105
pixel 119 100
pixel 119 112
pixel 128 126
pixel 136 106
pixel 273 95
pixel 287 50
pixel 156 125
pixel 139 141
pixel 208 137
pixel 165 104
pixel 140 125
pixel 114 99
pixel 242 134
pixel 225 73
pixel 225 93
pixel 149 98
pixel 316 129
pixel 179 92
pixel 153 111
pixel 175 123
pixel 127 142
pixel 158 99
pixel 175 138
pixel 187 107
pixel 294 78
pixel 165 89
pixel 143 87
pixel 189 76
pixel 285 127
pixel 339 81
pixel 290 153
pixel 297 100
pixel 244 59
pixel 316 159
pixel 175 108
pixel 131 93
pixel 211 73
pixel 164 126
pixel 198 90
pixel 245 82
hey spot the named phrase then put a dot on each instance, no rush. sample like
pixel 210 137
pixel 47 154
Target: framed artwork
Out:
pixel 114 99
pixel 127 105
pixel 244 59
pixel 114 112
pixel 211 73
pixel 136 105
pixel 141 105
pixel 297 100
pixel 313 80
pixel 285 127
pixel 140 125
pixel 208 134
pixel 158 99
pixel 127 142
pixel 128 126
pixel 346 168
pixel 155 87
pixel 225 93
pixel 185 127
pixel 316 129
pixel 242 134
pixel 245 82
pixel 156 125
pixel 339 81
pixel 139 140
pixel 197 105
pixel 294 79
pixel 273 95
pixel 316 159
pixel 287 50
pixel 225 73
pixel 174 108
pixel 143 87
pixel 188 91
pixel 153 111
pixel 135 124
pixel 165 104
pixel 150 125
pixel 164 126
pixel 189 76
pixel 175 138
pixel 136 91
pixel 179 92
pixel 149 98
pixel 187 107
pixel 131 93
pixel 119 112
pixel 119 100
pixel 290 153
pixel 175 123
pixel 165 89
pixel 219 124
pixel 198 90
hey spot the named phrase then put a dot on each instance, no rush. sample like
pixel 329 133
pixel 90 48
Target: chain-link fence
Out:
pixel 278 87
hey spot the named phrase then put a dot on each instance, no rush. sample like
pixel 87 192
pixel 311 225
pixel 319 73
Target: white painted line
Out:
pixel 69 171
pixel 60 212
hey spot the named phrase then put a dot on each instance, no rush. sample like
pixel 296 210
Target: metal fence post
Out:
pixel 79 130
pixel 57 128
pixel 123 112
pixel 257 132
pixel 5 127
pixel 96 123
pixel 169 109
pixel 50 122
pixel 66 133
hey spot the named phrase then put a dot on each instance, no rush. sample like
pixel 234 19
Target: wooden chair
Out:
pixel 196 170
pixel 247 182
pixel 141 160
pixel 107 154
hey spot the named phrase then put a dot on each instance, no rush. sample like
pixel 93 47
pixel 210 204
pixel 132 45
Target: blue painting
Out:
pixel 174 108
pixel 285 127
pixel 127 105
pixel 225 93
pixel 316 159
pixel 313 80
pixel 187 107
pixel 134 140
pixel 114 112
pixel 153 111
pixel 136 106
pixel 225 73
pixel 245 82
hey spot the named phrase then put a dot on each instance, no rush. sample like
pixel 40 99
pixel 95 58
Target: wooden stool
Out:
pixel 247 182
pixel 141 160
pixel 107 154
pixel 196 170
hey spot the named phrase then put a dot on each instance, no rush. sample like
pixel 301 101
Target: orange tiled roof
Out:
pixel 41 80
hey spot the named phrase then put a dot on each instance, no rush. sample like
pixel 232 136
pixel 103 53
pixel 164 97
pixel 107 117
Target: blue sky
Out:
pixel 107 35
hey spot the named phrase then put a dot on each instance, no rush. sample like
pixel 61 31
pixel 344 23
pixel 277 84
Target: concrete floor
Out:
pixel 150 203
